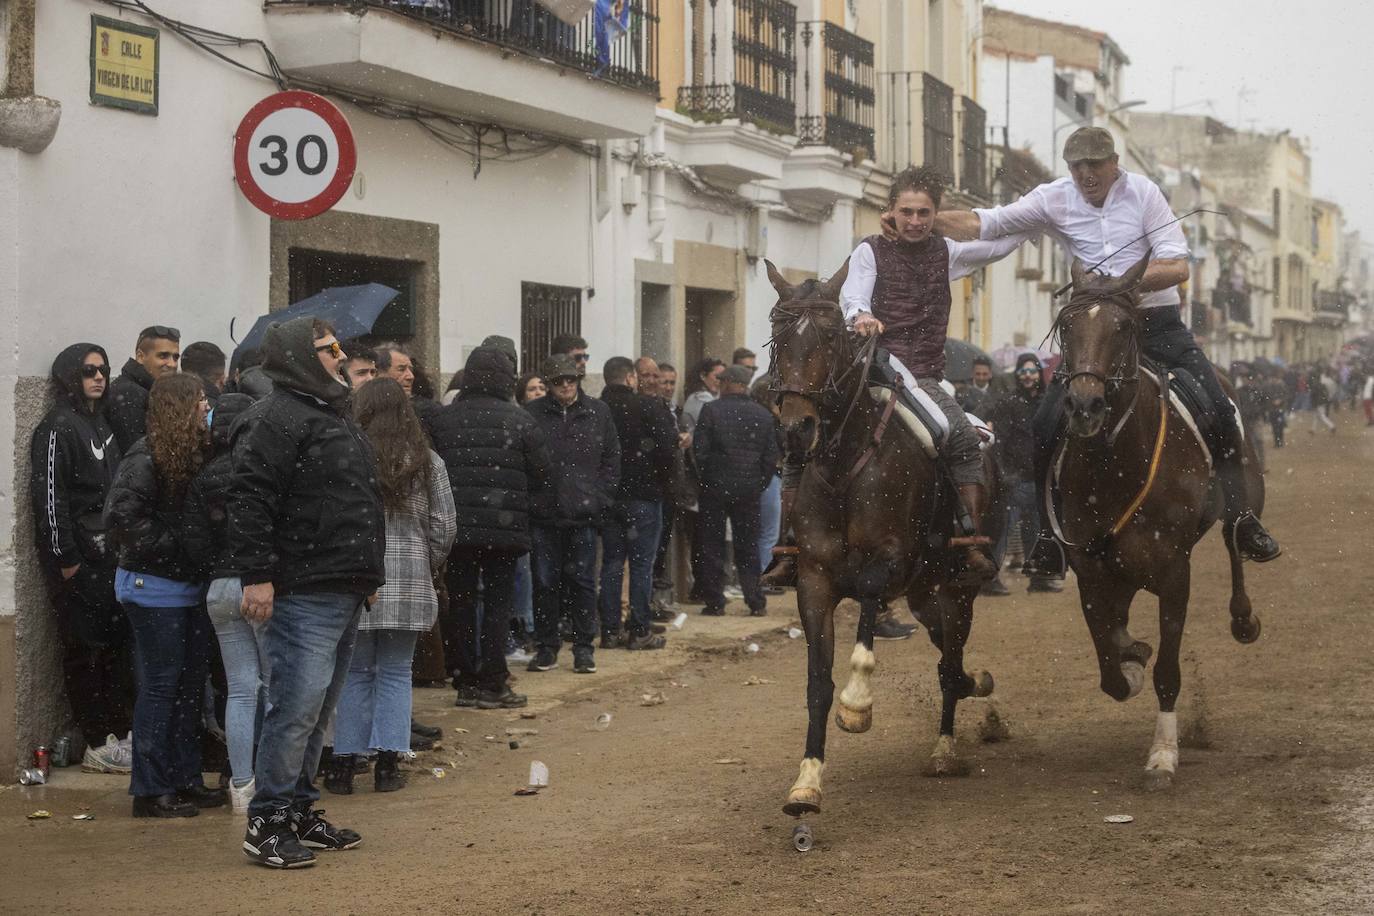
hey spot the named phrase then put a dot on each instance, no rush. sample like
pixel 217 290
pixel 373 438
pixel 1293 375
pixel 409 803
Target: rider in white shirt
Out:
pixel 1102 213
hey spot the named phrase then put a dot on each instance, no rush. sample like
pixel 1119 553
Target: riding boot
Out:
pixel 1046 559
pixel 783 570
pixel 978 565
pixel 1240 525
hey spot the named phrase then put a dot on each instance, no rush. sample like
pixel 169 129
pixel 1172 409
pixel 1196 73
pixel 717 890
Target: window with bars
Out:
pixel 545 312
pixel 766 61
pixel 973 144
pixel 937 103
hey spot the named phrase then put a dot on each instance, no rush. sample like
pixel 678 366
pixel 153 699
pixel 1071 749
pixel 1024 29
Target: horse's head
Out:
pixel 1099 333
pixel 809 340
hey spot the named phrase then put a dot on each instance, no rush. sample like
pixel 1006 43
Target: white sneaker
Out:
pixel 519 657
pixel 115 757
pixel 733 592
pixel 240 796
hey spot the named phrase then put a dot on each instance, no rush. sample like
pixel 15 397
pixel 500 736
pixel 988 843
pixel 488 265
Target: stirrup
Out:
pixel 1262 552
pixel 1036 565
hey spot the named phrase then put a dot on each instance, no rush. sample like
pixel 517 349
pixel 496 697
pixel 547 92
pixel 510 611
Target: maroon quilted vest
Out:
pixel 911 299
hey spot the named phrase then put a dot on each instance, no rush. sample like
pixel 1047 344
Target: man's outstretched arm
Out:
pixel 959 225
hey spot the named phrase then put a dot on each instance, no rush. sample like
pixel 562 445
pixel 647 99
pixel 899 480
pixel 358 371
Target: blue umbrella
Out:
pixel 352 310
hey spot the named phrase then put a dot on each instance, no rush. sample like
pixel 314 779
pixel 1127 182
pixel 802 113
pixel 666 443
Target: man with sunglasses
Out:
pixel 73 457
pixel 156 353
pixel 1107 217
pixel 575 348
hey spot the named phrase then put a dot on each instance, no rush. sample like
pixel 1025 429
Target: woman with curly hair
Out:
pixel 157 584
pixel 374 708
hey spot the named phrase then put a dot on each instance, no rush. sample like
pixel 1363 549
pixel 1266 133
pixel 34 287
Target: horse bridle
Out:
pixel 1110 382
pixel 799 319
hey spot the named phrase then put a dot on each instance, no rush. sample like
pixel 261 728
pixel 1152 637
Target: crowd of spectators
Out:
pixel 255 551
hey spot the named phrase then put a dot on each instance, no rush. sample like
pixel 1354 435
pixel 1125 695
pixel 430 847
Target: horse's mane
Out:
pixel 1085 298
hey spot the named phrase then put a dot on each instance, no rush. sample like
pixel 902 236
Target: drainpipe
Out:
pixel 658 183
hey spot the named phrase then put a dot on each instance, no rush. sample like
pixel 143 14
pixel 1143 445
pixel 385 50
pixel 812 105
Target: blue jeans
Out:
pixel 374 708
pixel 308 641
pixel 1021 511
pixel 635 538
pixel 770 520
pixel 563 563
pixel 245 673
pixel 523 609
pixel 171 659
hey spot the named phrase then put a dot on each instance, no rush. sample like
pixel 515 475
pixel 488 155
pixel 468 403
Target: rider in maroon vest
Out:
pixel 899 289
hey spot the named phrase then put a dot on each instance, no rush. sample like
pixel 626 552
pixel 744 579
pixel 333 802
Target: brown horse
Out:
pixel 1137 496
pixel 869 503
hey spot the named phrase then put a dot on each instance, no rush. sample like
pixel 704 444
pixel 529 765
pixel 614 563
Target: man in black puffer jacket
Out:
pixel 156 353
pixel 583 483
pixel 736 451
pixel 496 459
pixel 307 536
pixel 73 458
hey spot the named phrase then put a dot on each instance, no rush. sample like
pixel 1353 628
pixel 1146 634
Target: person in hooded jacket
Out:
pixel 497 459
pixel 73 457
pixel 581 432
pixel 1013 448
pixel 159 586
pixel 307 537
pixel 206 536
pixel 156 353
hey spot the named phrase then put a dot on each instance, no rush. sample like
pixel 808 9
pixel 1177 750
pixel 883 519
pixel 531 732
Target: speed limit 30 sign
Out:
pixel 294 155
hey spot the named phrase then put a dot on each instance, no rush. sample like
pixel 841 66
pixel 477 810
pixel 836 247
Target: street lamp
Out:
pixel 1133 103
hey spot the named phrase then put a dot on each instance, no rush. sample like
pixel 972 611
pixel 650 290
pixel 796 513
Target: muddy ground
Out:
pixel 1272 812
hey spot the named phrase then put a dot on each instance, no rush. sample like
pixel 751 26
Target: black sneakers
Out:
pixel 270 841
pixel 467 695
pixel 583 661
pixel 317 833
pixel 169 805
pixel 544 660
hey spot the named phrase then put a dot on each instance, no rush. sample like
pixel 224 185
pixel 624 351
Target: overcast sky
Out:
pixel 1308 66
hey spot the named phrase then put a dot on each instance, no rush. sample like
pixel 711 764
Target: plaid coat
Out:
pixel 417 541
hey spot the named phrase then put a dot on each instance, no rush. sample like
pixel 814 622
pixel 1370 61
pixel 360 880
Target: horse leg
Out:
pixel 816 598
pixel 1245 623
pixel 1120 658
pixel 856 700
pixel 1173 611
pixel 956 611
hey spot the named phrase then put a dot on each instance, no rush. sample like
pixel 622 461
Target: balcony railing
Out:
pixel 846 119
pixel 973 166
pixel 937 109
pixel 763 88
pixel 599 48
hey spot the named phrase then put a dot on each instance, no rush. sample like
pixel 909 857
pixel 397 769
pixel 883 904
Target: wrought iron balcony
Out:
pixel 758 85
pixel 628 58
pixel 846 119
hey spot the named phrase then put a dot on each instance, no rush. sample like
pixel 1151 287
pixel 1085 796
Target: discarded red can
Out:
pixel 42 761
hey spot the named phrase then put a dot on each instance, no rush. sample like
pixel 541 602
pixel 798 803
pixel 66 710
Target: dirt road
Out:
pixel 1272 812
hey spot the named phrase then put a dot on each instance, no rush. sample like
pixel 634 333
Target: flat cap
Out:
pixel 1089 143
pixel 738 375
pixel 561 365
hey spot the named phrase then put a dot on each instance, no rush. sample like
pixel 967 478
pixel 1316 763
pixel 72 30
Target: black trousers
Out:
pixel 743 516
pixel 97 652
pixel 663 572
pixel 480 644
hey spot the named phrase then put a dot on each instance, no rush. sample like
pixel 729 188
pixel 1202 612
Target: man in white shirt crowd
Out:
pixel 1102 213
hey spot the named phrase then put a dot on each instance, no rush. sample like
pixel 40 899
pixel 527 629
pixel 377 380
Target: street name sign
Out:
pixel 294 155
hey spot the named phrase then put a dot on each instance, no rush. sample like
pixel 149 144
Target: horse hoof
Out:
pixel 982 684
pixel 854 721
pixel 1158 780
pixel 802 801
pixel 1246 629
pixel 1134 673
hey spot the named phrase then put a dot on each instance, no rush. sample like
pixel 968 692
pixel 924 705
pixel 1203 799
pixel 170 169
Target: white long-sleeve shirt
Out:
pixel 856 295
pixel 1133 207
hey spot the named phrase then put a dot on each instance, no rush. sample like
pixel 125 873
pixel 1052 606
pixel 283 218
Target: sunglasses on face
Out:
pixel 89 371
pixel 581 357
pixel 563 381
pixel 334 349
pixel 1027 371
